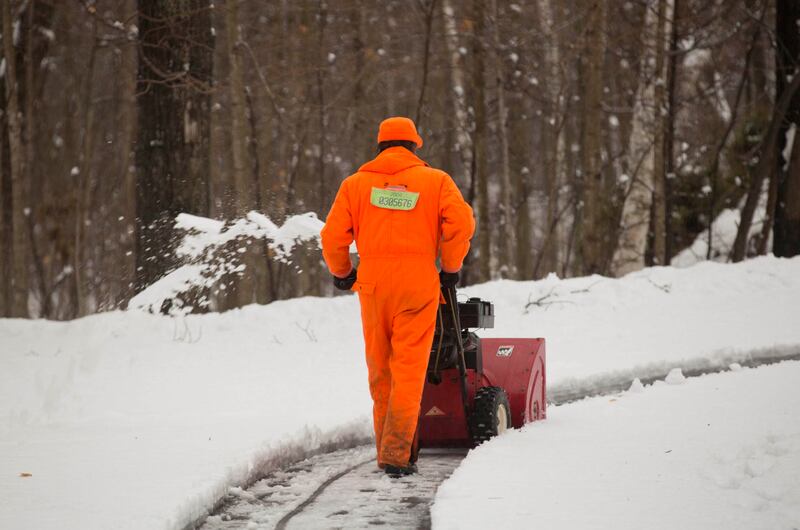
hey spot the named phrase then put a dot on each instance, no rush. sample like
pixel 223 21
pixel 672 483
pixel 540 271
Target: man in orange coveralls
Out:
pixel 403 214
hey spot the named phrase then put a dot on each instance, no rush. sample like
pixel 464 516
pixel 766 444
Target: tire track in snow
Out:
pixel 340 489
pixel 302 506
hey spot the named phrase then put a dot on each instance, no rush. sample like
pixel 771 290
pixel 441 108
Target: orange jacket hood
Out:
pixel 393 160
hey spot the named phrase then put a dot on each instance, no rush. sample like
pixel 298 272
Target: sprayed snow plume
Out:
pixel 205 263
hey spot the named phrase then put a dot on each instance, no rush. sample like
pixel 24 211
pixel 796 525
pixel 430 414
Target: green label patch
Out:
pixel 393 199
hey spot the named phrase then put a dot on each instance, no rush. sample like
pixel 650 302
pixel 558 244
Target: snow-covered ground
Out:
pixel 717 451
pixel 128 420
pixel 131 420
pixel 653 320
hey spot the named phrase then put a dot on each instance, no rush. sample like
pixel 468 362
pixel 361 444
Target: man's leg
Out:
pixel 380 383
pixel 378 350
pixel 412 334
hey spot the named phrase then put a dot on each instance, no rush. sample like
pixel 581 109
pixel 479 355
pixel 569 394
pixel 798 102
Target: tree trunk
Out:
pixel 669 131
pixel 19 184
pixel 553 130
pixel 33 28
pixel 505 231
pixel 126 129
pixel 243 182
pixel 428 12
pixel 787 208
pixel 646 153
pixel 6 235
pixel 241 290
pixel 594 226
pixel 463 139
pixel 172 150
pixel 481 133
pixel 83 193
pixel 790 208
pixel 732 121
pixel 762 169
pixel 659 227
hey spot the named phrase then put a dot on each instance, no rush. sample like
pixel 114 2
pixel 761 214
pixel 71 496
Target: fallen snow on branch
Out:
pixel 204 265
pixel 206 235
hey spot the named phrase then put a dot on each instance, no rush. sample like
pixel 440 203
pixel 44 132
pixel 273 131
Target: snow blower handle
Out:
pixel 452 303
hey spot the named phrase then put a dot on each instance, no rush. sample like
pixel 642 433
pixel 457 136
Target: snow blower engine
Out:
pixel 477 388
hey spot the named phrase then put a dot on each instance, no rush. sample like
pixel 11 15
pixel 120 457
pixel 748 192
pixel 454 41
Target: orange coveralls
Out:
pixel 398 284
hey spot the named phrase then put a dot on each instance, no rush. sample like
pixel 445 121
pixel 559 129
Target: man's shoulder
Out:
pixel 430 171
pixel 354 178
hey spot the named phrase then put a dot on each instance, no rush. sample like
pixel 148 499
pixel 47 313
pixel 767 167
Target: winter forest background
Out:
pixel 590 136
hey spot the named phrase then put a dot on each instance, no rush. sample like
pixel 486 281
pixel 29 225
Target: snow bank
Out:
pixel 127 420
pixel 600 329
pixel 132 420
pixel 718 451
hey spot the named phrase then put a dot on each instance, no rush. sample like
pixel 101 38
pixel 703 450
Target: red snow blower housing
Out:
pixel 477 388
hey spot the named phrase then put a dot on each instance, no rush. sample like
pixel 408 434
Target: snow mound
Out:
pixel 675 377
pixel 720 451
pixel 636 387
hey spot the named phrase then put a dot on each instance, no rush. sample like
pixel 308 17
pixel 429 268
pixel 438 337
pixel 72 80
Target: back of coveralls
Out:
pixel 397 283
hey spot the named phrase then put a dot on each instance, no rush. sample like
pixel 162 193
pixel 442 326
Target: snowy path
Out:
pixel 344 489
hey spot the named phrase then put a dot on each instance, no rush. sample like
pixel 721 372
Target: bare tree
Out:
pixel 596 232
pixel 646 190
pixel 172 151
pixel 762 169
pixel 787 201
pixel 506 239
pixel 18 176
pixel 457 87
pixel 85 184
pixel 538 126
pixel 479 143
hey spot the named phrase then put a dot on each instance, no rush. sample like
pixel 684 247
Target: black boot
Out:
pixel 397 471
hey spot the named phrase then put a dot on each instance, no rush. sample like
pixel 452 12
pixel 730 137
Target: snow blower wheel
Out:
pixel 491 413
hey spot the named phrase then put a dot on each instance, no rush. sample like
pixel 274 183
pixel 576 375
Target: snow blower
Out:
pixel 477 388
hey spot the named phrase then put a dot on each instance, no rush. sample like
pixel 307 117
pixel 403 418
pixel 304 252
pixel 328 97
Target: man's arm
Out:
pixel 337 234
pixel 458 225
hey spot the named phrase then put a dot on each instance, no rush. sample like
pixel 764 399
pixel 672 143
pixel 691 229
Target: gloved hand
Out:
pixel 448 279
pixel 344 284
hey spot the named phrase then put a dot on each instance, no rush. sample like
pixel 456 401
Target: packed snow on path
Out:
pixel 133 420
pixel 718 451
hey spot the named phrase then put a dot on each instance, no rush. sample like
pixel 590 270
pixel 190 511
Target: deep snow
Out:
pixel 130 420
pixel 717 451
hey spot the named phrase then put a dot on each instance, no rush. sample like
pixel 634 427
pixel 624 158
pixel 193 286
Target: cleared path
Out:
pixel 345 489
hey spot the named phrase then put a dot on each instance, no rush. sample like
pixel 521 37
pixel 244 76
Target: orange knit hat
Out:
pixel 398 128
